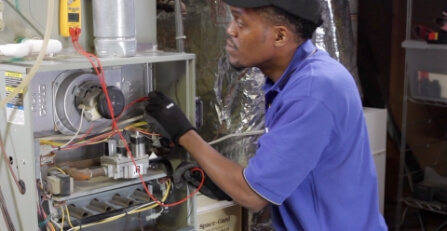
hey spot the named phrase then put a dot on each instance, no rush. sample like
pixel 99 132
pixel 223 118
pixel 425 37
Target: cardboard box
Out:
pixel 215 215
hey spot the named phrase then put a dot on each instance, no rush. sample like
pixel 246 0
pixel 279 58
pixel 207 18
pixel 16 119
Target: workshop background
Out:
pixel 376 31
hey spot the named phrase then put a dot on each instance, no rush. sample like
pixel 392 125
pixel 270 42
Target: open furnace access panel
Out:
pixel 76 170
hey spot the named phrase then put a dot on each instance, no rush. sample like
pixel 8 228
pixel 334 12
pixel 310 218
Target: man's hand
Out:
pixel 165 117
pixel 183 175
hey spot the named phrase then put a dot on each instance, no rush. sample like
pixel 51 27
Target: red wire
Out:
pixel 88 132
pixel 107 134
pixel 5 156
pixel 194 192
pixel 92 140
pixel 142 99
pixel 75 32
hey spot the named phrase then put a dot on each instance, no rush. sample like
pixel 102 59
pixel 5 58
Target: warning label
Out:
pixel 14 108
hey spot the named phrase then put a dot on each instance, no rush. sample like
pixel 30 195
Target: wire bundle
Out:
pixel 97 66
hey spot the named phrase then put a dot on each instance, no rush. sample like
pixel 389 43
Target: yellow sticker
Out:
pixel 11 89
pixel 13 74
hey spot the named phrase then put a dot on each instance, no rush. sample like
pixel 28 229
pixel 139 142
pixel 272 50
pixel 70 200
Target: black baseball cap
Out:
pixel 306 9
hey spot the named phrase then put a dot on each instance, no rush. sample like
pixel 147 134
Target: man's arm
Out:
pixel 163 114
pixel 224 172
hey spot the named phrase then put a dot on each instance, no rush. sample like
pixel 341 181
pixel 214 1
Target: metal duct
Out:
pixel 114 28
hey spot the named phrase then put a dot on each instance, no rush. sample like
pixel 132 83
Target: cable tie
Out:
pixel 181 37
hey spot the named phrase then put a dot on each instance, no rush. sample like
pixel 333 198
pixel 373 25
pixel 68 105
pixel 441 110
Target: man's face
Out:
pixel 251 39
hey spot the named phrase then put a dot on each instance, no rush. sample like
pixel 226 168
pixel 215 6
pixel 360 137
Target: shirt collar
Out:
pixel 301 53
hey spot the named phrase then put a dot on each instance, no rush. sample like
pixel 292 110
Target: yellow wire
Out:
pixel 58 169
pixel 62 221
pixel 116 217
pixel 49 142
pixel 138 124
pixel 68 216
pixel 51 226
pixel 57 144
pixel 168 189
pixel 143 209
pixel 96 142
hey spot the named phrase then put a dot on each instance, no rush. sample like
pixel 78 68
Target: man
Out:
pixel 313 165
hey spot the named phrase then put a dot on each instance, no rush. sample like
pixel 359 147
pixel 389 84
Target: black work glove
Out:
pixel 165 117
pixel 183 175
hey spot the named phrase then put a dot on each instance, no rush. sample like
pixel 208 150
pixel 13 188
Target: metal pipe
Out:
pixel 122 201
pixel 114 28
pixel 142 196
pixel 98 206
pixel 86 173
pixel 78 213
pixel 179 36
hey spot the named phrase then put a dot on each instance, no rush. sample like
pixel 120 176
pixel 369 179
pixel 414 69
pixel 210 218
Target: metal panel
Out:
pixel 171 73
pixel 19 145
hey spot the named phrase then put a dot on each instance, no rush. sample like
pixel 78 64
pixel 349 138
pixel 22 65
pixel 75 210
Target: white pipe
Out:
pixel 36 45
pixel 30 47
pixel 15 50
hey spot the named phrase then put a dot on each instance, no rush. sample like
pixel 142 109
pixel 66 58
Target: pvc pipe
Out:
pixel 15 50
pixel 35 45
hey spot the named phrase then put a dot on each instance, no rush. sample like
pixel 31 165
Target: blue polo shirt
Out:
pixel 314 162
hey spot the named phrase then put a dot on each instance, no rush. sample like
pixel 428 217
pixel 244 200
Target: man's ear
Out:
pixel 282 35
